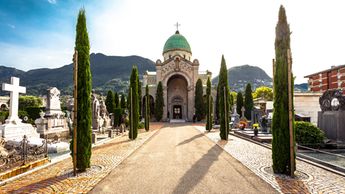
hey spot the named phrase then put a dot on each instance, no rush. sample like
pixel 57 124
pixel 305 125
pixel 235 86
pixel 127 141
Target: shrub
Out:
pixel 141 125
pixel 308 134
pixel 117 116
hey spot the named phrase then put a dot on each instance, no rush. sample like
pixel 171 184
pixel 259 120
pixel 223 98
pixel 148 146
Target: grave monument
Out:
pixel 53 122
pixel 331 117
pixel 14 128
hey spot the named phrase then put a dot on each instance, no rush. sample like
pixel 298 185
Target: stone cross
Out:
pixel 14 90
pixel 177 25
pixel 242 110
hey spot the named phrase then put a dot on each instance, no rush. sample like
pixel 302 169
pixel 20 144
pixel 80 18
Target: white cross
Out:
pixel 14 90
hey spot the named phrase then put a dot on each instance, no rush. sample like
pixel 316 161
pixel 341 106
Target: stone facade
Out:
pixel 178 75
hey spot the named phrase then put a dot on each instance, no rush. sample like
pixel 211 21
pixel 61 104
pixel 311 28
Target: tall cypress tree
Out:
pixel 159 102
pixel 147 108
pixel 239 103
pixel 217 106
pixel 199 101
pixel 109 101
pixel 123 101
pixel 223 100
pixel 248 102
pixel 116 100
pixel 209 103
pixel 82 45
pixel 139 98
pixel 134 104
pixel 280 121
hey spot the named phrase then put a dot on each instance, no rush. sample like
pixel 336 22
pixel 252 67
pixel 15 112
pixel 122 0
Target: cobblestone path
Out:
pixel 310 179
pixel 179 159
pixel 58 178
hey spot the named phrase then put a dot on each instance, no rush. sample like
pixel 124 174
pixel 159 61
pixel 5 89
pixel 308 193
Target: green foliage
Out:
pixel 248 102
pixel 147 109
pixel 209 105
pixel 29 101
pixel 223 101
pixel 308 134
pixel 116 100
pixel 159 102
pixel 280 121
pixel 231 101
pixel 139 97
pixel 117 116
pixel 84 119
pixel 110 102
pixel 123 101
pixel 134 104
pixel 263 92
pixel 198 101
pixel 217 106
pixel 239 103
pixel 3 116
pixel 141 125
pixel 34 113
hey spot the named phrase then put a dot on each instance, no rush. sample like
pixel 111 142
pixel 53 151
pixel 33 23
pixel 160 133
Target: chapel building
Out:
pixel 178 74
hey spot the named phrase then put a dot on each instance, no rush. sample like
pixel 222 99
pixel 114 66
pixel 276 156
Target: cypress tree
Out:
pixel 239 103
pixel 223 100
pixel 123 101
pixel 116 100
pixel 159 102
pixel 147 109
pixel 109 102
pixel 139 98
pixel 134 104
pixel 209 103
pixel 280 121
pixel 231 101
pixel 84 136
pixel 217 106
pixel 248 102
pixel 199 101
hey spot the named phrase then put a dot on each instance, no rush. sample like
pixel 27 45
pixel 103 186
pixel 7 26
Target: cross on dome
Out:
pixel 177 25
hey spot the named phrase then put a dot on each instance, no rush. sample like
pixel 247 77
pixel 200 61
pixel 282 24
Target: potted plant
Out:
pixel 256 130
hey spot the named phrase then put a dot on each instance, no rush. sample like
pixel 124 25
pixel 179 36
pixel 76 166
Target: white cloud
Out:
pixel 52 1
pixel 11 26
pixel 244 31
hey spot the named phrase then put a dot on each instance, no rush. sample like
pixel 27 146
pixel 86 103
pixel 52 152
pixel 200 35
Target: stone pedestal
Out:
pixel 11 131
pixel 333 124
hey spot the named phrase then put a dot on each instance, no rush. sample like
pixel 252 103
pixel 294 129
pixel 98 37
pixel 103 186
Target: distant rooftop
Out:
pixel 324 71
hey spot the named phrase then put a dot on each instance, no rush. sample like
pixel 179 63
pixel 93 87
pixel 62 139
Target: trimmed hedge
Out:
pixel 308 134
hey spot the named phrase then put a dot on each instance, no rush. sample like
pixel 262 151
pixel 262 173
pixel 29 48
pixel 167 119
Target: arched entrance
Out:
pixel 177 97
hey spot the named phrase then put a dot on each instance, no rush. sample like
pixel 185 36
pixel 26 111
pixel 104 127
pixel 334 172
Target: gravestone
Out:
pixel 331 118
pixel 14 129
pixel 95 112
pixel 53 122
pixel 235 117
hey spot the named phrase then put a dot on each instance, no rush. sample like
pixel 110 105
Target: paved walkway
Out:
pixel 310 179
pixel 179 159
pixel 58 178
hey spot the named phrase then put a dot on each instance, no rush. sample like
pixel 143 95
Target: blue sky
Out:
pixel 40 33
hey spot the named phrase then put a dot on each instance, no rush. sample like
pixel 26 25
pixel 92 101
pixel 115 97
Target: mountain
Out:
pixel 301 87
pixel 239 76
pixel 108 72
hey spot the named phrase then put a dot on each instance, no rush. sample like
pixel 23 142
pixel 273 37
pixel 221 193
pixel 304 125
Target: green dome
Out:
pixel 176 42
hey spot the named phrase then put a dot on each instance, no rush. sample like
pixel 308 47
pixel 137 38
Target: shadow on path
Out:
pixel 193 176
pixel 190 139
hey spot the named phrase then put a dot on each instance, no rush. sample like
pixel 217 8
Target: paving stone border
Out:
pixel 257 158
pixel 56 178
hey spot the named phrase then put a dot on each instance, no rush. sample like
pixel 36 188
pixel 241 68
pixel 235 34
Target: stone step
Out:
pixel 177 121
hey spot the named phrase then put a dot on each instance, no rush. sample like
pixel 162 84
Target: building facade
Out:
pixel 333 78
pixel 178 74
